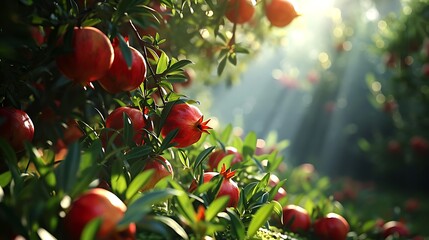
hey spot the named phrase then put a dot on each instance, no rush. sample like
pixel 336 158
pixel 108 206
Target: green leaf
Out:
pixel 139 152
pixel 117 178
pixel 185 204
pixel 173 225
pixel 239 49
pixel 91 229
pixel 138 182
pixel 215 207
pixel 226 133
pixel 178 65
pixel 237 226
pixel 166 143
pixel 221 65
pixel 143 205
pixel 128 130
pixel 125 50
pixel 162 63
pixel 275 189
pixel 10 157
pixel 262 184
pixel 232 58
pixel 5 178
pixel 260 218
pixel 249 145
pixel 68 169
pixel 202 156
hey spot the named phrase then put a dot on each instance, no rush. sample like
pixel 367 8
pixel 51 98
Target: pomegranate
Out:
pixel 216 156
pixel 115 121
pixel 420 145
pixel 97 203
pixel 72 132
pixel 280 13
pixel 331 227
pixel 227 188
pixel 395 228
pixel 120 77
pixel 162 169
pixel 188 119
pixel 91 56
pixel 281 193
pixel 16 127
pixel 240 11
pixel 296 218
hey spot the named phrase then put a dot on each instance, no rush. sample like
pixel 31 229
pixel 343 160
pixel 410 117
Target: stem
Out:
pixel 232 40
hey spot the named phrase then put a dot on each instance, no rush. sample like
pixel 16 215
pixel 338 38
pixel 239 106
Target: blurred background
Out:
pixel 345 84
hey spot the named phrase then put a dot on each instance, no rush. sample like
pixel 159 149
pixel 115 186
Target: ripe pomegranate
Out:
pixel 281 193
pixel 216 156
pixel 72 132
pixel 162 169
pixel 425 69
pixel 395 228
pixel 420 145
pixel 97 203
pixel 188 119
pixel 91 56
pixel 394 147
pixel 115 121
pixel 331 227
pixel 240 11
pixel 296 218
pixel 228 187
pixel 390 106
pixel 16 127
pixel 120 77
pixel 280 13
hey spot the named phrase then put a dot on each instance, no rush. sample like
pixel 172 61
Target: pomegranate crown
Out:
pixel 202 126
pixel 227 173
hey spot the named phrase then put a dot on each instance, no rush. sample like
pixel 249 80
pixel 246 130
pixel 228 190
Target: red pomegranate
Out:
pixel 120 77
pixel 115 121
pixel 90 58
pixel 188 119
pixel 280 13
pixel 216 156
pixel 331 227
pixel 162 168
pixel 16 127
pixel 97 203
pixel 296 218
pixel 228 186
pixel 240 11
pixel 395 227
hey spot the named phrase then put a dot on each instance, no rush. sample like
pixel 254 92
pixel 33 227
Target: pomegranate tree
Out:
pixel 90 57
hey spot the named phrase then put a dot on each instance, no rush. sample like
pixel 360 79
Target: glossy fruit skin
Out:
pixel 115 121
pixel 94 203
pixel 395 227
pixel 91 57
pixel 188 119
pixel 228 188
pixel 331 227
pixel 216 156
pixel 281 193
pixel 16 127
pixel 296 218
pixel 158 164
pixel 240 11
pixel 280 13
pixel 121 78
